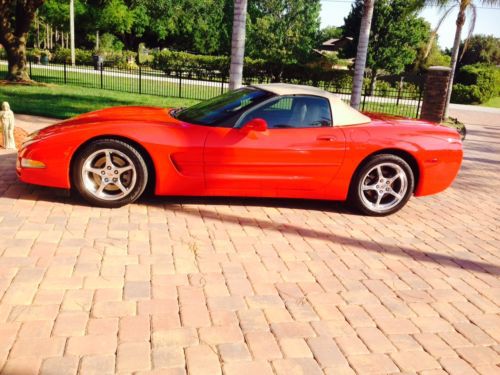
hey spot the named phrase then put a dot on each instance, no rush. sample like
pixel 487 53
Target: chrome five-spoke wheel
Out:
pixel 383 185
pixel 109 173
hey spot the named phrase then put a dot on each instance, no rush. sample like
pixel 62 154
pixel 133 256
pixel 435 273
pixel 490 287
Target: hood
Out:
pixel 114 114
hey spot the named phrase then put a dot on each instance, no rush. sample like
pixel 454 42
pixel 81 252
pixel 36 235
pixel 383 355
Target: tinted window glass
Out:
pixel 293 112
pixel 220 110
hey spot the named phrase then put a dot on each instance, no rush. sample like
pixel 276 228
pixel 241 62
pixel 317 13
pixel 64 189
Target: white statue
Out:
pixel 7 121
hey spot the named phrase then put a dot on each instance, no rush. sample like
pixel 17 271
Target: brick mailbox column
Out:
pixel 434 99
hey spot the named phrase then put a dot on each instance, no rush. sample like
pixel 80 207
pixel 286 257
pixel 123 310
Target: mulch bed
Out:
pixel 19 135
pixel 4 82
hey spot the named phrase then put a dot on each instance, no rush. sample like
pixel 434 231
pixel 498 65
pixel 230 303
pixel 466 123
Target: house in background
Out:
pixel 335 47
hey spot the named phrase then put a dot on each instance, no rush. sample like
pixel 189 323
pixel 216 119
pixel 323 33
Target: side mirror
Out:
pixel 256 124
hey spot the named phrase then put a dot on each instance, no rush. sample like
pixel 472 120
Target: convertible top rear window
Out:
pixel 219 110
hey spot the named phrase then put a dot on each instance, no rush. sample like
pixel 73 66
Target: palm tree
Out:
pixel 72 29
pixel 464 7
pixel 238 44
pixel 362 52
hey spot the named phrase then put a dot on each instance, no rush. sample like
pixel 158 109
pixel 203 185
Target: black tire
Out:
pixel 362 200
pixel 129 185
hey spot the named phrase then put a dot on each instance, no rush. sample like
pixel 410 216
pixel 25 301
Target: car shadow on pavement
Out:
pixel 17 189
pixel 482 160
pixel 11 188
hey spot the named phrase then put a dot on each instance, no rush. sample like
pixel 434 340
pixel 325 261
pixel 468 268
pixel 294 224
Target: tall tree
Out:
pixel 72 30
pixel 238 44
pixel 484 49
pixel 396 35
pixel 16 17
pixel 362 53
pixel 465 7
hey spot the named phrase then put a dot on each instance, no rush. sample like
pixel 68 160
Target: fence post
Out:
pixel 420 94
pixel 434 97
pixel 222 84
pixel 65 78
pixel 140 77
pixel 364 99
pixel 31 73
pixel 102 68
pixel 179 73
pixel 399 91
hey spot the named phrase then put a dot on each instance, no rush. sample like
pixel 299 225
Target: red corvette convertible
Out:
pixel 262 141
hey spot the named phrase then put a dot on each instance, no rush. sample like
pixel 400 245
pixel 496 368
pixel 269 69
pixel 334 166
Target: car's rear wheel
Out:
pixel 382 186
pixel 109 173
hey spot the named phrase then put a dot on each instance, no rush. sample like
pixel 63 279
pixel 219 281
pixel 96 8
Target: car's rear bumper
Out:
pixel 439 171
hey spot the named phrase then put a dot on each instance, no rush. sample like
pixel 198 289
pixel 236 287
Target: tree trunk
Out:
pixel 238 44
pixel 362 52
pixel 373 82
pixel 37 33
pixel 16 55
pixel 454 57
pixel 72 30
pixel 47 43
pixel 15 22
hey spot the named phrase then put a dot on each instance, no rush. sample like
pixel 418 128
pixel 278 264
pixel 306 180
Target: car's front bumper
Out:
pixel 47 168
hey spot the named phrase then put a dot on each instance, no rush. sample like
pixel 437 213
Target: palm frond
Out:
pixel 443 4
pixel 490 2
pixel 473 11
pixel 436 29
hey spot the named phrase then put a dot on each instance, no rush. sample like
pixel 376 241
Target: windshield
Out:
pixel 221 109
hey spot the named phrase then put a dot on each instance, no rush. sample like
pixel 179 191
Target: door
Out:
pixel 299 151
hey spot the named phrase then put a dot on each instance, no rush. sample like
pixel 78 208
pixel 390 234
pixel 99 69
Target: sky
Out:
pixel 334 11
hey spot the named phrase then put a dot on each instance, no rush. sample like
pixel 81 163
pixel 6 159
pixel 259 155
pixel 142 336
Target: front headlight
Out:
pixel 29 163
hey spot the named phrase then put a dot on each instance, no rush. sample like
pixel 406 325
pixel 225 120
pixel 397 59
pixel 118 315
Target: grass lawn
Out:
pixel 67 101
pixel 391 109
pixel 493 102
pixel 152 83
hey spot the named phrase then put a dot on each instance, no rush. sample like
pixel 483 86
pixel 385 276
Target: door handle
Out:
pixel 330 138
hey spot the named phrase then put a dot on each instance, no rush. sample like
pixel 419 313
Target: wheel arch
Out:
pixel 141 149
pixel 403 154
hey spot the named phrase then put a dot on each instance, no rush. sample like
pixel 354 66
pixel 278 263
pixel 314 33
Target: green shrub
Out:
pixel 120 59
pixel 497 81
pixel 63 55
pixel 144 58
pixel 475 84
pixel 463 94
pixel 169 61
pixel 384 89
pixel 109 42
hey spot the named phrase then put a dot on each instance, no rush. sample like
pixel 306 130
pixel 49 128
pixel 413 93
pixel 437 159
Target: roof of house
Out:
pixel 342 113
pixel 332 42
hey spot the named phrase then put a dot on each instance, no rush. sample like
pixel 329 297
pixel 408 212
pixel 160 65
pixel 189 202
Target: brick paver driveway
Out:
pixel 170 286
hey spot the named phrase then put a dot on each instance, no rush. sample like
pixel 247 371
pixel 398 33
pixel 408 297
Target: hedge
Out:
pixel 476 84
pixel 63 55
pixel 254 69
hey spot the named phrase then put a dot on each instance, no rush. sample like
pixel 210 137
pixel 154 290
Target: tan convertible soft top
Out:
pixel 342 114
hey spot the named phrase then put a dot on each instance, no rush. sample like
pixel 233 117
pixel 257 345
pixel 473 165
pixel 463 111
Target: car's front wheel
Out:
pixel 109 173
pixel 382 186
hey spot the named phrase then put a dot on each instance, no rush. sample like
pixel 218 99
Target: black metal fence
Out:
pixel 392 96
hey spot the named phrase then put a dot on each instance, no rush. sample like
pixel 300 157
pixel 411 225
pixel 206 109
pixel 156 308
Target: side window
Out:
pixel 293 112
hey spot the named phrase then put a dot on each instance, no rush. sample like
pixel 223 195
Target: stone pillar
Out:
pixel 434 98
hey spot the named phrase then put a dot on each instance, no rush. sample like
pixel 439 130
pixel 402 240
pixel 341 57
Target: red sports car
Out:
pixel 262 141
